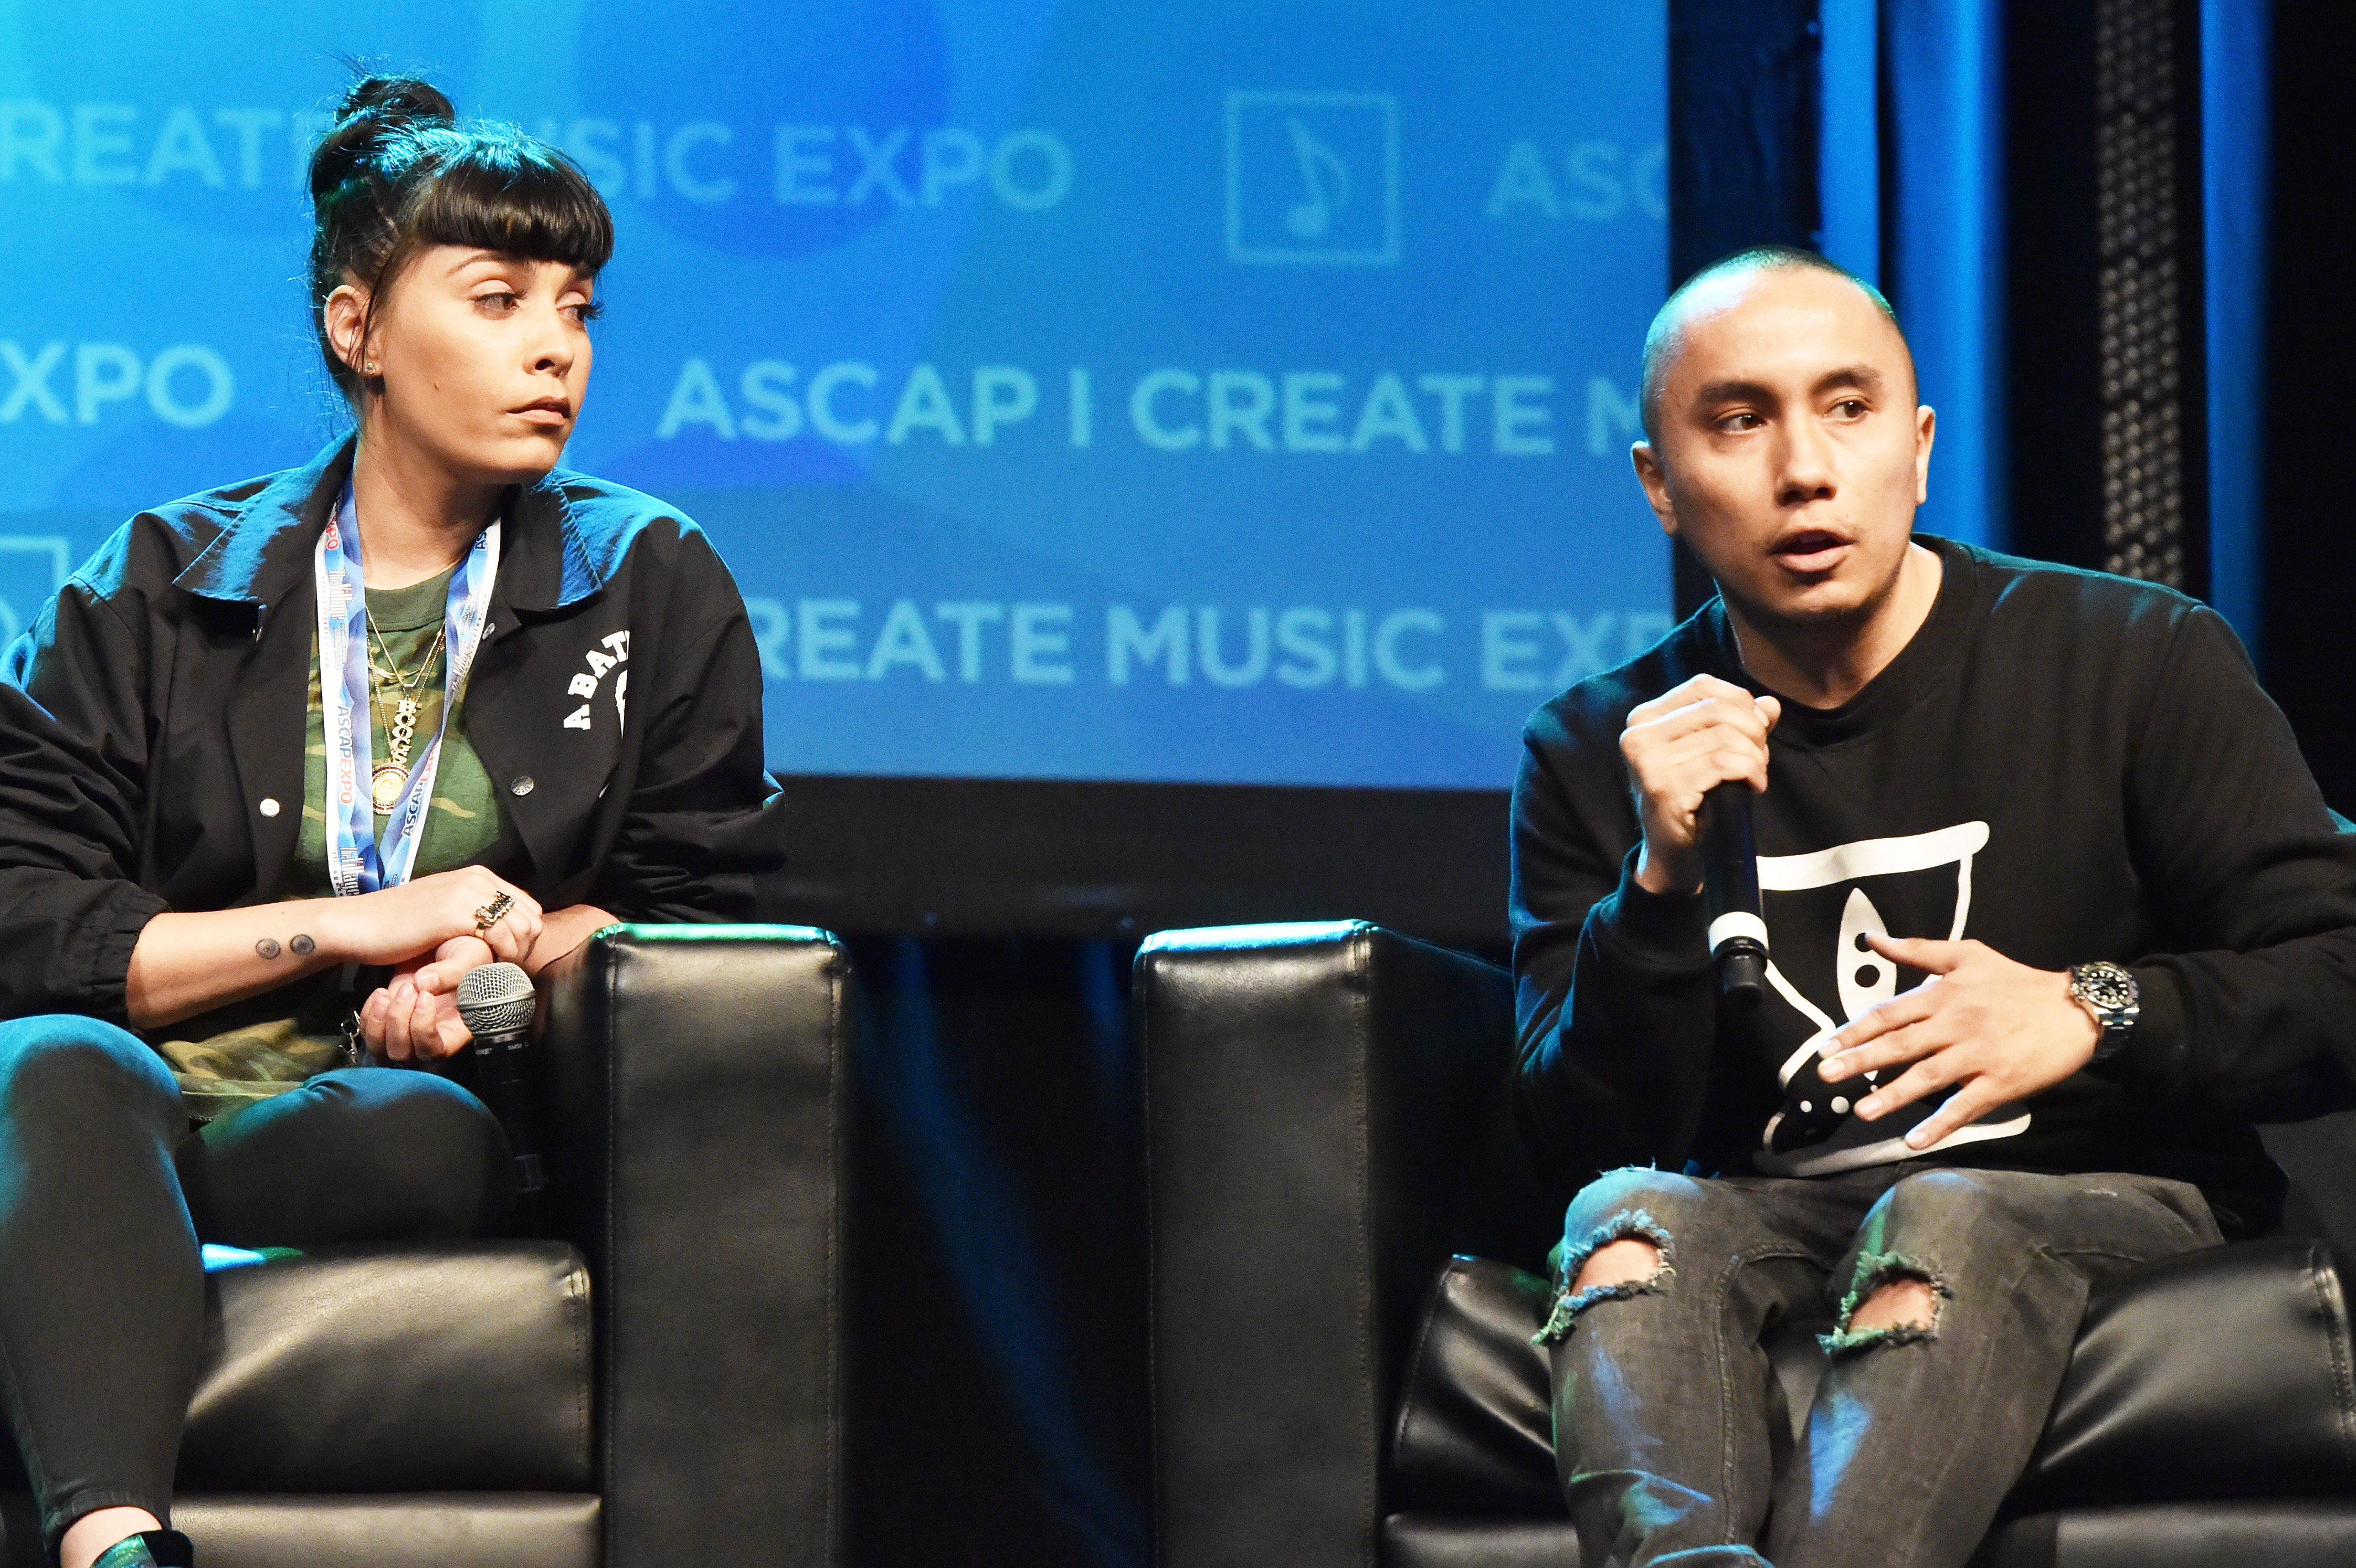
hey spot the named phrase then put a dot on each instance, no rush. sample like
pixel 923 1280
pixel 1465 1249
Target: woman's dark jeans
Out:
pixel 1672 1438
pixel 105 1196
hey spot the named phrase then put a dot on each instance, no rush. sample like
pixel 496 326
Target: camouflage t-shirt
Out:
pixel 265 1045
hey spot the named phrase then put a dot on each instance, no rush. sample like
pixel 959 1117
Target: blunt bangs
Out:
pixel 493 189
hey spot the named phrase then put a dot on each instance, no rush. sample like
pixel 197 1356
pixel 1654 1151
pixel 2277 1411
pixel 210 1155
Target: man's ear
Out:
pixel 1926 420
pixel 345 314
pixel 1655 481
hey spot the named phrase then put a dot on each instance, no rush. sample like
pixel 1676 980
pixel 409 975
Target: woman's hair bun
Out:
pixel 375 107
pixel 395 97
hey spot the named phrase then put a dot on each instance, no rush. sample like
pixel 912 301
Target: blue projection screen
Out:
pixel 1237 392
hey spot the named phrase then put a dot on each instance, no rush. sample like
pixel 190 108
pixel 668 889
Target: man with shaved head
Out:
pixel 2054 911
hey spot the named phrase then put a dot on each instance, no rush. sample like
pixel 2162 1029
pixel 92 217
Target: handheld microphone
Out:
pixel 495 1000
pixel 1729 890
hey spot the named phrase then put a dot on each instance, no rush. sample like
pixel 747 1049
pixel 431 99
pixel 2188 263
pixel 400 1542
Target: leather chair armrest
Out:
pixel 696 1117
pixel 2225 1372
pixel 1325 1122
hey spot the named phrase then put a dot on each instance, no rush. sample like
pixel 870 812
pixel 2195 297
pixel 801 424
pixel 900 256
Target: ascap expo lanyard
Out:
pixel 354 862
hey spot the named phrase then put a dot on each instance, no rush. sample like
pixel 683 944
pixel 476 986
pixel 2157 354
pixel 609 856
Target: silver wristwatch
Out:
pixel 2111 994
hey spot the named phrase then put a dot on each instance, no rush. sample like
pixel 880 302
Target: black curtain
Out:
pixel 2309 555
pixel 998 1267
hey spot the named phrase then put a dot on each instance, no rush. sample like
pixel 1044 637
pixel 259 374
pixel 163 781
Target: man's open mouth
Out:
pixel 1810 550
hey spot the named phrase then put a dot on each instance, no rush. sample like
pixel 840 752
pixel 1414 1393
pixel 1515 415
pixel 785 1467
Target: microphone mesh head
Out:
pixel 495 998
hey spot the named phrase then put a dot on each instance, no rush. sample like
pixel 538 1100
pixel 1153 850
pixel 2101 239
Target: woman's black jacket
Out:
pixel 153 722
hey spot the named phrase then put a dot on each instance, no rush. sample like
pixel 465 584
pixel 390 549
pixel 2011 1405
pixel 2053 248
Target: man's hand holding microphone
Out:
pixel 1678 747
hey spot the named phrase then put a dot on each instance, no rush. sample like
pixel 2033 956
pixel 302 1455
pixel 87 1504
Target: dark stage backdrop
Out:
pixel 997 1272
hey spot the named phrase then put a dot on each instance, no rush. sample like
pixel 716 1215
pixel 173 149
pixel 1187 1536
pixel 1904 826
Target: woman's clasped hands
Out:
pixel 432 930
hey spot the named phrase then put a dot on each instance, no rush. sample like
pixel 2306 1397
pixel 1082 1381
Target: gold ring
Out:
pixel 488 915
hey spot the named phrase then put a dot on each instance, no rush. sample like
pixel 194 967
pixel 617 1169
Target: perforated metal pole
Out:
pixel 2145 336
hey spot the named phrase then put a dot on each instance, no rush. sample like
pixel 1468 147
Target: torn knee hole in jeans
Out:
pixel 1630 1225
pixel 1874 1271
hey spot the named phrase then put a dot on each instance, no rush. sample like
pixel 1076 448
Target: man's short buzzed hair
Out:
pixel 1660 337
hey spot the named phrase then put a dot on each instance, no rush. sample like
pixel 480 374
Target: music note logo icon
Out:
pixel 1324 176
pixel 1313 177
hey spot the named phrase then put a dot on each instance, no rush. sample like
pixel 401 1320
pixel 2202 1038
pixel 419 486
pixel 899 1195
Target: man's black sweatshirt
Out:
pixel 2063 766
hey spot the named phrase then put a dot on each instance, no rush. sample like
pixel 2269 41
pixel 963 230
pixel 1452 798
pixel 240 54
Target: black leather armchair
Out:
pixel 1326 1126
pixel 659 1387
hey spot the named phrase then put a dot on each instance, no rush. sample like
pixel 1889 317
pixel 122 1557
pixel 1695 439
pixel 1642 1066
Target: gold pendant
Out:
pixel 386 783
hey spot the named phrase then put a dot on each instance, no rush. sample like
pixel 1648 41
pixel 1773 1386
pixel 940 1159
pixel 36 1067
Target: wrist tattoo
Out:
pixel 267 947
pixel 303 946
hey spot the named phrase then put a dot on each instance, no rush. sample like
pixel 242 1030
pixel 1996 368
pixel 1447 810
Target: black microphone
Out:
pixel 1730 893
pixel 496 1001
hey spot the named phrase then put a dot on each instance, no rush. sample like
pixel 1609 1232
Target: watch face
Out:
pixel 2106 986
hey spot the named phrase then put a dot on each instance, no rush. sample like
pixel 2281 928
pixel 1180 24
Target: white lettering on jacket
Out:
pixel 583 684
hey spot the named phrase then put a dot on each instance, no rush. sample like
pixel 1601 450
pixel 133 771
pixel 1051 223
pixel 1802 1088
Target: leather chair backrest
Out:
pixel 697 1149
pixel 1330 1101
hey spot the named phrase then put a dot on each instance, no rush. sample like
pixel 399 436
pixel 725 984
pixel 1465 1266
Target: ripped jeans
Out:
pixel 1672 1435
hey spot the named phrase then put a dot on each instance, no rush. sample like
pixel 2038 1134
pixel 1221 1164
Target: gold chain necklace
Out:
pixel 389 780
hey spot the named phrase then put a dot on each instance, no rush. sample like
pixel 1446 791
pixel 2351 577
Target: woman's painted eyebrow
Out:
pixel 504 259
pixel 586 282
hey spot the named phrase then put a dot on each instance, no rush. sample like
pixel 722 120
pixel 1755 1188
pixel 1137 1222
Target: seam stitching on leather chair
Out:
pixel 1140 985
pixel 608 982
pixel 1362 963
pixel 2324 1281
pixel 581 1307
pixel 1415 1358
pixel 837 1007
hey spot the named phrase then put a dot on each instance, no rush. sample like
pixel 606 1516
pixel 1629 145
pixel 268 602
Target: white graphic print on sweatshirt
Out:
pixel 1814 1133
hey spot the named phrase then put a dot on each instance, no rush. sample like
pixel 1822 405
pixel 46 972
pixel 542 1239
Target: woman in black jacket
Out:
pixel 285 760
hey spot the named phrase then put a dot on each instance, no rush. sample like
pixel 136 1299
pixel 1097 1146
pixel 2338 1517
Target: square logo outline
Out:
pixel 1238 98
